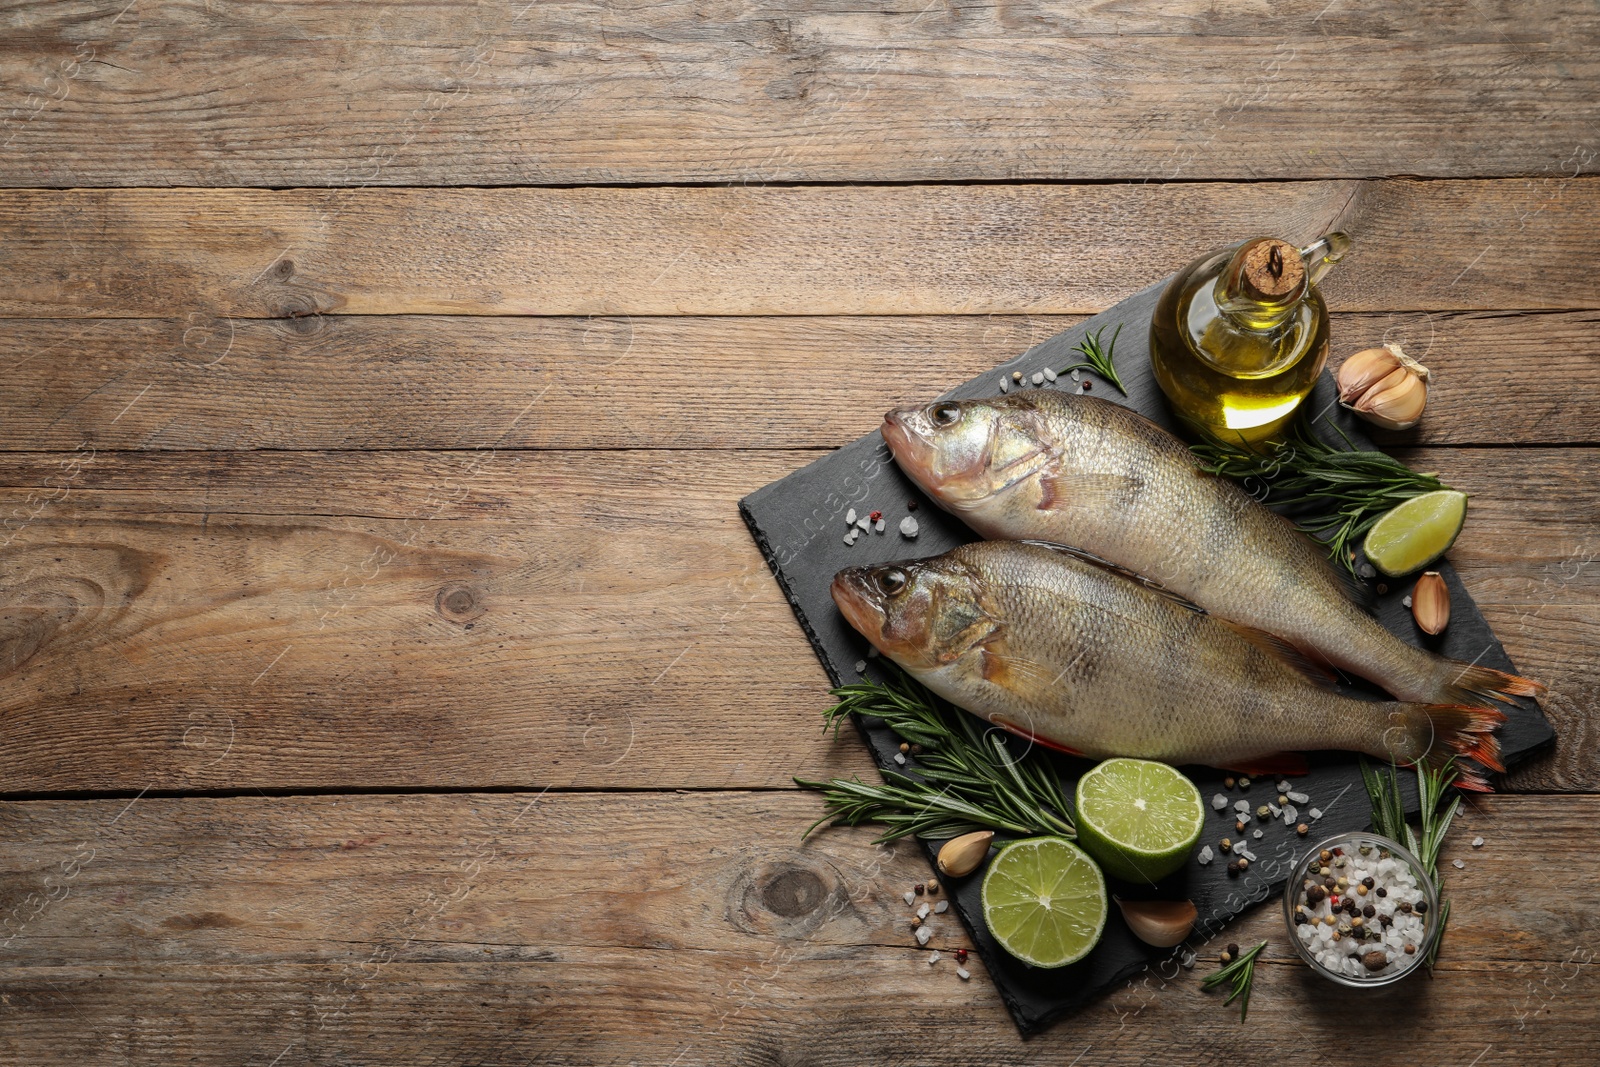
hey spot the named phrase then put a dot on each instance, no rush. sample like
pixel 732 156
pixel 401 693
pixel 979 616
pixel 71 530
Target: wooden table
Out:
pixel 386 675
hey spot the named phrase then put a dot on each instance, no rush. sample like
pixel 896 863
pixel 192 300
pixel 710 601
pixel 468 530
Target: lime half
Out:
pixel 1045 901
pixel 1138 818
pixel 1413 534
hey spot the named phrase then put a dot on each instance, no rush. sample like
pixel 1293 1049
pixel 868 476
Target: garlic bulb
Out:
pixel 962 855
pixel 1430 603
pixel 1161 923
pixel 1384 386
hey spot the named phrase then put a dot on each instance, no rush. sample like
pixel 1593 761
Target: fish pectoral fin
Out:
pixel 1045 742
pixel 1312 669
pixel 1093 489
pixel 1272 763
pixel 1117 568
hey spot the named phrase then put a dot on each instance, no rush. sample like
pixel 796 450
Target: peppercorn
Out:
pixel 1300 919
pixel 1369 911
pixel 1325 856
pixel 1282 800
pixel 915 922
pixel 1243 863
pixel 916 750
pixel 911 505
pixel 919 889
pixel 1325 871
pixel 1386 920
pixel 1382 892
pixel 1244 783
pixel 904 747
pixel 1375 960
pixel 1422 906
pixel 1330 884
pixel 1224 958
pixel 1329 920
pixel 1227 783
pixel 1238 826
pixel 875 516
pixel 933 889
pixel 1361 890
pixel 1336 936
pixel 1411 950
pixel 1405 908
pixel 1357 921
pixel 1344 883
pixel 1302 829
pixel 1226 845
pixel 961 955
pixel 1263 811
pixel 1087 385
pixel 1233 949
pixel 1316 894
pixel 1368 881
pixel 1016 376
pixel 1233 867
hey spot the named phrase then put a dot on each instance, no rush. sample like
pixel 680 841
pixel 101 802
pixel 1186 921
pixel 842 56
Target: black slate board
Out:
pixel 798 522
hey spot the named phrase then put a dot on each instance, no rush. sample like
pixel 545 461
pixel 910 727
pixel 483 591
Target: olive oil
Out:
pixel 1239 336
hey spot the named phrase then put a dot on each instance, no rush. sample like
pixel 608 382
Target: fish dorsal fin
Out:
pixel 1116 568
pixel 1285 652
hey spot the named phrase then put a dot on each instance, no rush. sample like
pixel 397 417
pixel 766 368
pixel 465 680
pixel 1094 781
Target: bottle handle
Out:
pixel 1320 255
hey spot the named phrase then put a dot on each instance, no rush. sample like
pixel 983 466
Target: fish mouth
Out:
pixel 911 449
pixel 853 592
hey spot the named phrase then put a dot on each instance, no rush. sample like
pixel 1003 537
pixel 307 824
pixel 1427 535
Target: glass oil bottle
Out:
pixel 1239 336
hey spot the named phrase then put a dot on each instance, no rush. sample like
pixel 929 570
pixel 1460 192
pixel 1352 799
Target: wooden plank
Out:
pixel 493 618
pixel 1012 249
pixel 360 382
pixel 618 928
pixel 451 92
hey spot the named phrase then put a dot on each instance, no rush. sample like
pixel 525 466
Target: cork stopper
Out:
pixel 1272 271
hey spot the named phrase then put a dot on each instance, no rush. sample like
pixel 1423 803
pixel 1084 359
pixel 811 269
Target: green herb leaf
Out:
pixel 1100 358
pixel 1389 819
pixel 1340 492
pixel 967 778
pixel 1242 973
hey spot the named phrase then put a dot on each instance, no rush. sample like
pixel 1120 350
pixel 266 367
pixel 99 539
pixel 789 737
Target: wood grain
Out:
pixel 494 618
pixel 1420 246
pixel 446 93
pixel 522 928
pixel 427 382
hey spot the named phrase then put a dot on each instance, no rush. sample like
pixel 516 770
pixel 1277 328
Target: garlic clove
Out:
pixel 962 855
pixel 1161 923
pixel 1395 402
pixel 1384 386
pixel 1364 370
pixel 1430 603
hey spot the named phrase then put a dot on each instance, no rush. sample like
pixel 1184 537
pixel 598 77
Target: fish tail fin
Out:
pixel 1463 683
pixel 1434 734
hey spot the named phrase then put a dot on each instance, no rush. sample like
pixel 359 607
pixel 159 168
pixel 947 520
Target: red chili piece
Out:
pixel 875 516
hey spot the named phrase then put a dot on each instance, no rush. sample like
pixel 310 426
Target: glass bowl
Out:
pixel 1385 861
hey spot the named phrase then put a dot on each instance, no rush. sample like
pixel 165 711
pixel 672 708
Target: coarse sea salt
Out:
pixel 1243 805
pixel 1219 802
pixel 900 758
pixel 1346 956
pixel 1205 856
pixel 963 973
pixel 1315 813
pixel 1298 798
pixel 923 934
pixel 941 907
pixel 934 957
pixel 911 896
pixel 850 517
pixel 922 910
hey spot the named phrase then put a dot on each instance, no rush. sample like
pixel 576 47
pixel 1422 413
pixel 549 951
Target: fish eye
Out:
pixel 891 580
pixel 945 414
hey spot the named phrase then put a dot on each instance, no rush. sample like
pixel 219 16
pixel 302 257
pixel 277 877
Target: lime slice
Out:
pixel 1138 818
pixel 1044 901
pixel 1412 535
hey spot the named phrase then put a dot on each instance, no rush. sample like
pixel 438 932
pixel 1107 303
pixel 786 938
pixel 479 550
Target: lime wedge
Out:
pixel 1044 901
pixel 1413 534
pixel 1138 818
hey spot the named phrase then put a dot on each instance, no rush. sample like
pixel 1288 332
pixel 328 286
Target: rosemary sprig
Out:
pixel 1434 819
pixel 1341 491
pixel 1241 972
pixel 1099 357
pixel 967 776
